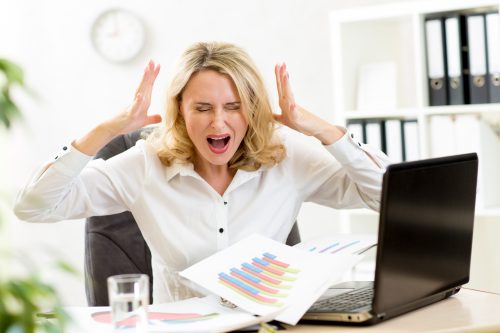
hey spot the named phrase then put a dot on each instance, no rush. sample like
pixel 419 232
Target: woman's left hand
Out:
pixel 298 118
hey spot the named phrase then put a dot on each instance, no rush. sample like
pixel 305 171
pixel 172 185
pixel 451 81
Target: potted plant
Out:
pixel 24 298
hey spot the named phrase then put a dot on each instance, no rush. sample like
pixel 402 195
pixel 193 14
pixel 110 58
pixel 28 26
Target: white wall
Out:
pixel 74 89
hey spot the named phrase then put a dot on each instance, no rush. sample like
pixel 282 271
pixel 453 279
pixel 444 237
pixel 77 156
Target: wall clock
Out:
pixel 118 35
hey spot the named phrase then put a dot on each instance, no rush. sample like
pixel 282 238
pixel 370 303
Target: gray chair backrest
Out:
pixel 114 244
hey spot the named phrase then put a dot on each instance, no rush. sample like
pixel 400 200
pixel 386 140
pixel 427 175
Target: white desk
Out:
pixel 467 311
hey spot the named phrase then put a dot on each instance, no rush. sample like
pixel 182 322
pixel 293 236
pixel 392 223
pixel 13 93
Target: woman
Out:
pixel 219 169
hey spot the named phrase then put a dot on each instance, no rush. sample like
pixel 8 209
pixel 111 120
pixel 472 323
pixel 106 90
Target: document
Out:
pixel 442 130
pixel 191 315
pixel 263 276
pixel 394 140
pixel 411 140
pixel 339 244
pixel 476 32
pixel 455 43
pixel 493 47
pixel 375 134
pixel 436 70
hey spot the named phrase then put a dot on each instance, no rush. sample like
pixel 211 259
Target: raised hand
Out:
pixel 298 118
pixel 132 118
pixel 136 116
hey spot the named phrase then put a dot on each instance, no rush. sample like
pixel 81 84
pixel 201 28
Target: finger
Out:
pixel 283 80
pixel 278 117
pixel 288 87
pixel 156 71
pixel 153 119
pixel 144 79
pixel 146 87
pixel 149 76
pixel 278 80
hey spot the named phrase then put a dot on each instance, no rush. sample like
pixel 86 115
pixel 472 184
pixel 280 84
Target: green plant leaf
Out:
pixel 13 76
pixel 66 267
pixel 13 72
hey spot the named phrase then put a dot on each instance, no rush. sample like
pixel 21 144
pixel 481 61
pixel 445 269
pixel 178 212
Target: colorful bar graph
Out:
pixel 105 317
pixel 344 247
pixel 264 280
pixel 329 247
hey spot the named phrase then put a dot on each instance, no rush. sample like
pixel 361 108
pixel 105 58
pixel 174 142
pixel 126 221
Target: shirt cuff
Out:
pixel 70 161
pixel 346 150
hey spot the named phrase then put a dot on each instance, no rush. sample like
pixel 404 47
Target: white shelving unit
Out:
pixel 394 32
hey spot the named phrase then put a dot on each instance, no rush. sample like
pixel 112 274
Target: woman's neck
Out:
pixel 217 176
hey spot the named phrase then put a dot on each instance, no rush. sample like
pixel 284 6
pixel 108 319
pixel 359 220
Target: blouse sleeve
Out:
pixel 74 186
pixel 346 174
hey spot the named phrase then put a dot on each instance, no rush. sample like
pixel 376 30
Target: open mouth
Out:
pixel 218 144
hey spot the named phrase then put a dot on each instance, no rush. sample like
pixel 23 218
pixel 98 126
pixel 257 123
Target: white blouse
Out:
pixel 182 218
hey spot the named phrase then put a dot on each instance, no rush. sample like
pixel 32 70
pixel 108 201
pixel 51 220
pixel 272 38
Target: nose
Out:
pixel 218 118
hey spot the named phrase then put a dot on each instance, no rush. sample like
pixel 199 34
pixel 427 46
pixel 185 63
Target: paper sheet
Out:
pixel 339 244
pixel 191 315
pixel 263 276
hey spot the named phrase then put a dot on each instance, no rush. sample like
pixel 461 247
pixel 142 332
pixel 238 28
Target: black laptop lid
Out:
pixel 425 231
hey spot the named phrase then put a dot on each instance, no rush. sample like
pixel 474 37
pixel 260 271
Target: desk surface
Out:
pixel 467 311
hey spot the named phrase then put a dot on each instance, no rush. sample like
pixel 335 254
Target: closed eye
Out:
pixel 233 106
pixel 203 107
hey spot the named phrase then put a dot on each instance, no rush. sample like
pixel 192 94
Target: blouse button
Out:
pixel 221 230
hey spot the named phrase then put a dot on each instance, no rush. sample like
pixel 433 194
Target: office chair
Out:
pixel 114 244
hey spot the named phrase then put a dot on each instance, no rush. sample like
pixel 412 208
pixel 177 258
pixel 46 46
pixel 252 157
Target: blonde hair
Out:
pixel 259 146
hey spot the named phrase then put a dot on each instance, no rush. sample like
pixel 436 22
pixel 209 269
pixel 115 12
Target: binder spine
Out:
pixel 457 60
pixel 478 61
pixel 464 55
pixel 493 45
pixel 437 76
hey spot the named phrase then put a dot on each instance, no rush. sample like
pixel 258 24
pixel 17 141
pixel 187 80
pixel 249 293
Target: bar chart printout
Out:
pixel 339 244
pixel 265 279
pixel 263 276
pixel 190 315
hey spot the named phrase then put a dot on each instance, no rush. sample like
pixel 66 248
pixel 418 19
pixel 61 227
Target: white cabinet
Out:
pixel 394 33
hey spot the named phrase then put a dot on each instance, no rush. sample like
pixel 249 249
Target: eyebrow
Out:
pixel 209 104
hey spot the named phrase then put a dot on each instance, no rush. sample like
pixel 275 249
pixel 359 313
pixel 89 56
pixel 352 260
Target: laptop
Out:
pixel 424 243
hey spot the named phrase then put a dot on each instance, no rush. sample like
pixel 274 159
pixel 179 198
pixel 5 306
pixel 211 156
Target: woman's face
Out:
pixel 214 118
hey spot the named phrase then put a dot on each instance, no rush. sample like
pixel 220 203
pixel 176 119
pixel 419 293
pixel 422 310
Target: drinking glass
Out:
pixel 129 299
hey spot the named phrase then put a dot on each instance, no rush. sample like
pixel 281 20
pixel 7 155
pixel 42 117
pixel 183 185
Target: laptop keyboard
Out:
pixel 347 302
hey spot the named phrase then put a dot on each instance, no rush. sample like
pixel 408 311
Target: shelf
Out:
pixel 395 33
pixel 403 8
pixel 492 108
pixel 407 113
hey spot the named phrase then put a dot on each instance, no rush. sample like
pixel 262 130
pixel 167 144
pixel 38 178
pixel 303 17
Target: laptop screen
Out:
pixel 425 231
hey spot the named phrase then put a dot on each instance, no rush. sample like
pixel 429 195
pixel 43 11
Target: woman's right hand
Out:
pixel 132 118
pixel 136 116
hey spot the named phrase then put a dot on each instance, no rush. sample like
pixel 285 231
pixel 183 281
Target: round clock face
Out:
pixel 118 35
